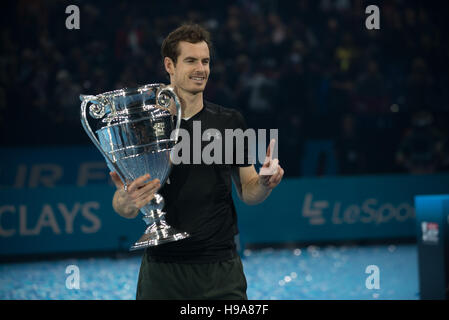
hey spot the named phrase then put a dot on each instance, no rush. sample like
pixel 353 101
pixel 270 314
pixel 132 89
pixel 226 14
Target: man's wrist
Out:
pixel 121 206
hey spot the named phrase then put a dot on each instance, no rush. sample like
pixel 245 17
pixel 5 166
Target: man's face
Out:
pixel 191 71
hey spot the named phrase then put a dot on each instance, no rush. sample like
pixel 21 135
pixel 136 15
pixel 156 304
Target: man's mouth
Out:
pixel 197 78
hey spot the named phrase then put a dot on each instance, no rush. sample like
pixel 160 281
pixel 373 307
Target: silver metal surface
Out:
pixel 135 138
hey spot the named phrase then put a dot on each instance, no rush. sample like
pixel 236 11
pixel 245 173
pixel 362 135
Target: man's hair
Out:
pixel 192 33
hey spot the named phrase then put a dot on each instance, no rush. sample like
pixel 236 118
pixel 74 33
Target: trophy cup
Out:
pixel 135 138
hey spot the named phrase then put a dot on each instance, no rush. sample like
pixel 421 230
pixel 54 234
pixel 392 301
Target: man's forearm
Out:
pixel 121 207
pixel 254 192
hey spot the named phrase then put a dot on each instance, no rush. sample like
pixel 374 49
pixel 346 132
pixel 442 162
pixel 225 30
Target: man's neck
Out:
pixel 191 104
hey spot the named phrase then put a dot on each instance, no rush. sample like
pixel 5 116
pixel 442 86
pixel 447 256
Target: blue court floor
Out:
pixel 303 273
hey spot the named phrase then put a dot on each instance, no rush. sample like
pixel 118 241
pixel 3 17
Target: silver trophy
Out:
pixel 135 136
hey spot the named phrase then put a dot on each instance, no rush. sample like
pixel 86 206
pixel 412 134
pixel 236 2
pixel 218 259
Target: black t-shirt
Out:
pixel 198 197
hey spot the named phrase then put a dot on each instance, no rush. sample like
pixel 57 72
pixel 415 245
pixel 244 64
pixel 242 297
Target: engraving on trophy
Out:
pixel 159 129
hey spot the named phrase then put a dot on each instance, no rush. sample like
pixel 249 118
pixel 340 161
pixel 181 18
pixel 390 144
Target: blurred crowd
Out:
pixel 308 67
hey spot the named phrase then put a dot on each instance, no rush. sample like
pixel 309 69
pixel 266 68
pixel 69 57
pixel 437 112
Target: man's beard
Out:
pixel 196 90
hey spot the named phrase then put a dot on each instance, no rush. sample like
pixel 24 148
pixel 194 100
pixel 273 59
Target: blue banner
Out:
pixel 63 219
pixel 60 200
pixel 338 208
pixel 52 166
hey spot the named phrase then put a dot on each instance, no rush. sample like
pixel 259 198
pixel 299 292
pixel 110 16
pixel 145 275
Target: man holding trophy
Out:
pixel 190 251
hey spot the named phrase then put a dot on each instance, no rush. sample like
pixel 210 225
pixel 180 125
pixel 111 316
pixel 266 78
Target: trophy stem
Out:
pixel 151 216
pixel 153 210
pixel 158 231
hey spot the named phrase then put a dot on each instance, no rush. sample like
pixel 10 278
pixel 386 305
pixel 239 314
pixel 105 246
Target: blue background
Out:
pixel 298 210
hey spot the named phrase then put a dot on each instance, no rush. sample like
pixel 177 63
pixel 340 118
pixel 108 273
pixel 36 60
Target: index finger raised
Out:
pixel 270 149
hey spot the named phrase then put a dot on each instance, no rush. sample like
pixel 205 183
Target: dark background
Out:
pixel 309 68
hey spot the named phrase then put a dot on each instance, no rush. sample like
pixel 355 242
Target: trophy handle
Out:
pixel 164 102
pixel 97 112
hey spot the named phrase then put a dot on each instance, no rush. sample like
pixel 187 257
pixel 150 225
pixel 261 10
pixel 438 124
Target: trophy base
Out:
pixel 158 233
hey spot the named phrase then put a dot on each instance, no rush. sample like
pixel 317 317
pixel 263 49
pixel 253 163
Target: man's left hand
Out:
pixel 271 173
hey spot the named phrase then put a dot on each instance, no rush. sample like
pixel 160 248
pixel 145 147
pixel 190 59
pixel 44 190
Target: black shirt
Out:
pixel 198 198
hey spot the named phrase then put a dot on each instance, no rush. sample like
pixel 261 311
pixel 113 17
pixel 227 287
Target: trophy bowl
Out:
pixel 136 134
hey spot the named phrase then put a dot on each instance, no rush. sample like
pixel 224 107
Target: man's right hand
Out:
pixel 139 193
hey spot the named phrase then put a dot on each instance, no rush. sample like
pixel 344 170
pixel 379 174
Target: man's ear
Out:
pixel 169 65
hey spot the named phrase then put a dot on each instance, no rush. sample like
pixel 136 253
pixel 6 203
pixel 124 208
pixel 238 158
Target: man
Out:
pixel 198 198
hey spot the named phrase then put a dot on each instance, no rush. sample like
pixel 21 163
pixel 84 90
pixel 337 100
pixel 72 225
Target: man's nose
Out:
pixel 200 67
